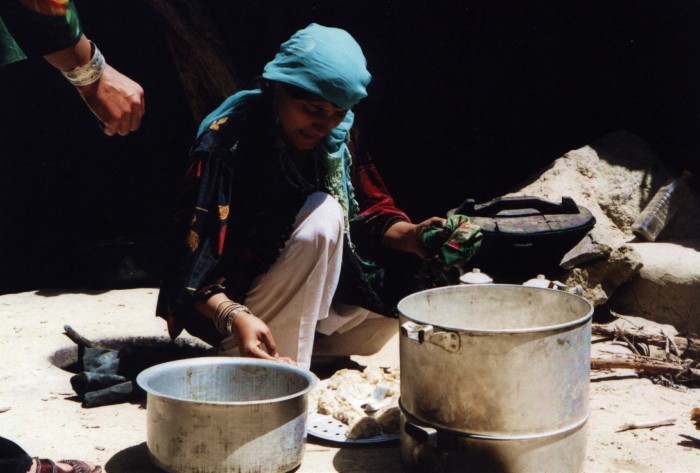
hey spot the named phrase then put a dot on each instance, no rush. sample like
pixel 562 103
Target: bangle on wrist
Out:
pixel 90 72
pixel 232 315
pixel 224 316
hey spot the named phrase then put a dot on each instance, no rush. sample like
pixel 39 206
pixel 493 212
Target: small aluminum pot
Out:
pixel 224 414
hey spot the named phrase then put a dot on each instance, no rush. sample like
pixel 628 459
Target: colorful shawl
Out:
pixel 36 28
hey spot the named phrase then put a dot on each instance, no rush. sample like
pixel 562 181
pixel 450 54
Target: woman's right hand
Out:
pixel 255 339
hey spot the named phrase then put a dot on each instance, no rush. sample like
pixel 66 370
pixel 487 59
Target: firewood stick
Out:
pixel 650 366
pixel 688 347
pixel 629 344
pixel 647 365
pixel 673 343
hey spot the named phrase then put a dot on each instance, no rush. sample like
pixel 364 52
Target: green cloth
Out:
pixel 36 28
pixel 9 49
pixel 450 246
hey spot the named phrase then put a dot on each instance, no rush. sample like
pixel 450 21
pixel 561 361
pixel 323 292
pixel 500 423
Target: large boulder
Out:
pixel 614 178
pixel 667 288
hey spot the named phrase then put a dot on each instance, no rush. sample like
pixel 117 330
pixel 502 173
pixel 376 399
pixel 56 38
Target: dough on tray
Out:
pixel 390 419
pixel 345 395
pixel 366 427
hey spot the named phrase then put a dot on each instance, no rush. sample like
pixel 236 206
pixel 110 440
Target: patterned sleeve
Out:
pixel 377 209
pixel 198 235
pixel 31 28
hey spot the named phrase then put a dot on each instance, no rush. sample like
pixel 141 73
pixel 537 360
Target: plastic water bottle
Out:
pixel 661 208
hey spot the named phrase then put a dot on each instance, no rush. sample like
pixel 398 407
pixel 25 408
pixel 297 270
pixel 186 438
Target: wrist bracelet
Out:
pixel 223 317
pixel 220 316
pixel 232 315
pixel 90 72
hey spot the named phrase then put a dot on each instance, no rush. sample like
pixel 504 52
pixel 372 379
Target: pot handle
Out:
pixel 416 332
pixel 426 455
pixel 449 341
pixel 421 434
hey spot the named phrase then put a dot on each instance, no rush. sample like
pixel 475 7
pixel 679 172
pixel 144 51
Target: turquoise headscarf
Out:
pixel 327 62
pixel 324 61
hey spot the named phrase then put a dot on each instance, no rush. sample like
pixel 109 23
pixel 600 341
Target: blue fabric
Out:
pixel 237 102
pixel 234 102
pixel 325 61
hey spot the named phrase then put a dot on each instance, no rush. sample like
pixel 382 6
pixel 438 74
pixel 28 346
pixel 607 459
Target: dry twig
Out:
pixel 687 347
pixel 647 425
pixel 672 341
pixel 647 365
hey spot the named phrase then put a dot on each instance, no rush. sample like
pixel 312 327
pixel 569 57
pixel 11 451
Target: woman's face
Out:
pixel 305 122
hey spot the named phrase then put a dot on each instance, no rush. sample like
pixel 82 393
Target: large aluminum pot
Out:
pixel 225 415
pixel 504 368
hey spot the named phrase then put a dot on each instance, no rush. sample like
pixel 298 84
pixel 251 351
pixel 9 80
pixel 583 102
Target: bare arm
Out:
pixel 406 236
pixel 116 100
pixel 254 336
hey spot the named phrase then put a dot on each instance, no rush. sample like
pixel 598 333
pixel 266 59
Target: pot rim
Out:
pixel 144 377
pixel 481 287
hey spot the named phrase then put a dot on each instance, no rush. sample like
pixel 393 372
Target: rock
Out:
pixel 607 177
pixel 586 251
pixel 667 289
pixel 614 178
pixel 599 280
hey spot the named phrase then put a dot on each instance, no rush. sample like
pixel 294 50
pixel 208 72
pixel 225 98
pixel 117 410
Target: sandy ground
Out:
pixel 39 411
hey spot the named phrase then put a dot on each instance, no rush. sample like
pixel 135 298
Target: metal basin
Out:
pixel 223 414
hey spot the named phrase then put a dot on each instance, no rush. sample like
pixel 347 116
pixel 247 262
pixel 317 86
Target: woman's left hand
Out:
pixel 406 236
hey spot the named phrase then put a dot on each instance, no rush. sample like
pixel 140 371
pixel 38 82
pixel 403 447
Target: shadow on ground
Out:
pixel 132 460
pixel 383 458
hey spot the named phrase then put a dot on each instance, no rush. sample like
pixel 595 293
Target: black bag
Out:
pixel 525 236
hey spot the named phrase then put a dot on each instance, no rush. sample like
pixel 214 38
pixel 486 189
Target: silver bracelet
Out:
pixel 232 315
pixel 220 316
pixel 90 72
pixel 223 318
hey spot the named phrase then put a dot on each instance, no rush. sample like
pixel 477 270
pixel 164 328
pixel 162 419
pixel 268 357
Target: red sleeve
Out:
pixel 377 209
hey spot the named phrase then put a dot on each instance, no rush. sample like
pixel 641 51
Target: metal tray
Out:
pixel 325 427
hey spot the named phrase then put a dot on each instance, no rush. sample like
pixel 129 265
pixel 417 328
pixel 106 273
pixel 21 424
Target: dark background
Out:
pixel 468 99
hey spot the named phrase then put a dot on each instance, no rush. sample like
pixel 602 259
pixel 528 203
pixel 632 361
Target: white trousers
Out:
pixel 294 296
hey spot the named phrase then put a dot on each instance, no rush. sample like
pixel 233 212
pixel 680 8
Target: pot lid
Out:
pixel 523 216
pixel 539 281
pixel 475 276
